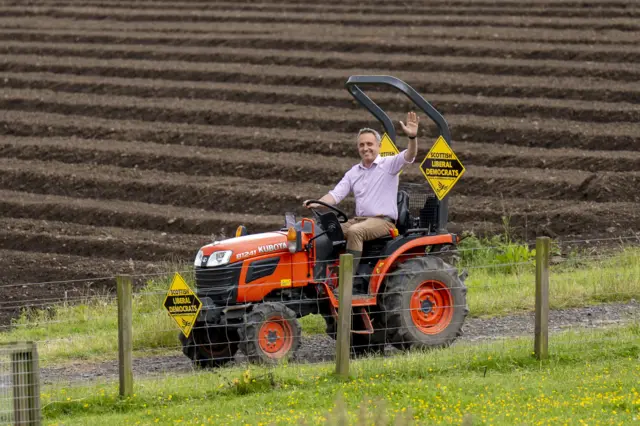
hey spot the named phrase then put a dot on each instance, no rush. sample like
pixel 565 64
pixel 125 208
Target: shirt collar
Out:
pixel 376 162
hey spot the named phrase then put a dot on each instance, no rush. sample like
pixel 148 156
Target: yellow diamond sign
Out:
pixel 183 304
pixel 387 147
pixel 442 168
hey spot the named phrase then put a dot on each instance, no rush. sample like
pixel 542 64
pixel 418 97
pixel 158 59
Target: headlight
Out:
pixel 218 258
pixel 198 260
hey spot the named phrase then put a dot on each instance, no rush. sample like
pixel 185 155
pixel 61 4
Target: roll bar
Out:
pixel 352 86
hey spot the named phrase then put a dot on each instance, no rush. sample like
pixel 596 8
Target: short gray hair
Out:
pixel 368 130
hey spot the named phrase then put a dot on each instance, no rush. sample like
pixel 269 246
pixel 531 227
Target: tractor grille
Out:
pixel 219 283
pixel 423 205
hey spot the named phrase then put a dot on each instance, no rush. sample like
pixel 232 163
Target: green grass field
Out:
pixel 591 378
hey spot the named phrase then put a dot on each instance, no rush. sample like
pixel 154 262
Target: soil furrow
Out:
pixel 597 112
pixel 493 66
pixel 21 268
pixel 137 174
pixel 379 45
pixel 30 241
pixel 150 186
pixel 487 32
pixel 104 233
pixel 299 76
pixel 527 217
pixel 382 20
pixel 470 9
pixel 549 4
pixel 134 214
pixel 540 133
pixel 299 140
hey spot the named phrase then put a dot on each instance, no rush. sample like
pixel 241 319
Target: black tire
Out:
pixel 367 344
pixel 412 328
pixel 361 344
pixel 210 346
pixel 271 334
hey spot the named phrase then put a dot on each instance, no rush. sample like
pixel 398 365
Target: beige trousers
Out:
pixel 360 229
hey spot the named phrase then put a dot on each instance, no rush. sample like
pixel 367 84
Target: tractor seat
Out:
pixel 403 223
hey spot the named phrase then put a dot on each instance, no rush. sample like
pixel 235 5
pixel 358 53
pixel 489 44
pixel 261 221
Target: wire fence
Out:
pixel 19 384
pixel 6 393
pixel 288 311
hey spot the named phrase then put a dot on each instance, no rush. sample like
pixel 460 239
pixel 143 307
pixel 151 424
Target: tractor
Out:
pixel 254 288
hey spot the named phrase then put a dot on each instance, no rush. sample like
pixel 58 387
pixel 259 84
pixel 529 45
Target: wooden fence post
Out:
pixel 125 335
pixel 343 337
pixel 541 343
pixel 25 374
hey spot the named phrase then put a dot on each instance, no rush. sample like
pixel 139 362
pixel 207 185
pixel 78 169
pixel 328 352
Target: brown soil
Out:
pixel 135 132
pixel 532 132
pixel 372 20
pixel 510 82
pixel 435 8
pixel 439 31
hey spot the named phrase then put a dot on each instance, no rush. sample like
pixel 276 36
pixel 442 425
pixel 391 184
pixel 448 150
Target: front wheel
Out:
pixel 424 304
pixel 210 345
pixel 271 334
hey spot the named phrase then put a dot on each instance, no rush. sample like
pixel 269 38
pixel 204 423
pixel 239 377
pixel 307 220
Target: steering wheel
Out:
pixel 340 213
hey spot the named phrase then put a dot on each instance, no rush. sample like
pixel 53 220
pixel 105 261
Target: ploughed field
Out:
pixel 135 132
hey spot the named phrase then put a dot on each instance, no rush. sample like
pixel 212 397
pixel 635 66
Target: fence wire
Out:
pixel 6 393
pixel 77 336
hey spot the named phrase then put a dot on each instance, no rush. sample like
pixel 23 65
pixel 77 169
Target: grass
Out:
pixel 499 283
pixel 595 280
pixel 591 378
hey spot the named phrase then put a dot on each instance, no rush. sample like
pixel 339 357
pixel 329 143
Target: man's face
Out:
pixel 368 147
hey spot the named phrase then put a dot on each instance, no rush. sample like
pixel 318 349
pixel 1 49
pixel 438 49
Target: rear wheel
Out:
pixel 210 346
pixel 424 304
pixel 271 334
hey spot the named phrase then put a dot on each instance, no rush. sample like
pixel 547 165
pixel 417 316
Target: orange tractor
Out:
pixel 254 288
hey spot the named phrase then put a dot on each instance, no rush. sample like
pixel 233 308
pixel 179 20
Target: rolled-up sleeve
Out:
pixel 397 162
pixel 342 189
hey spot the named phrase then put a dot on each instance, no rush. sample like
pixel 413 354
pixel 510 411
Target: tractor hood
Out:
pixel 240 248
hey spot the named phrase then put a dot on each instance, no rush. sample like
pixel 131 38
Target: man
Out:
pixel 374 182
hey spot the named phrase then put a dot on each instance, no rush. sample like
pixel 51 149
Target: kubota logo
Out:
pixel 272 247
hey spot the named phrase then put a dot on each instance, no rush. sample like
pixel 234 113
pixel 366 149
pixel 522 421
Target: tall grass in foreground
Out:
pixel 591 378
pixel 88 329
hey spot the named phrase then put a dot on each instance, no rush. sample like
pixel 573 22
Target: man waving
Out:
pixel 374 183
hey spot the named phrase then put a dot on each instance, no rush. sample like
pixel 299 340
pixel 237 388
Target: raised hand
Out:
pixel 411 128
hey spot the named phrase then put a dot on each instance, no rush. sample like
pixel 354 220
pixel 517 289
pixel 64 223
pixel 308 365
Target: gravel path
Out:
pixel 320 348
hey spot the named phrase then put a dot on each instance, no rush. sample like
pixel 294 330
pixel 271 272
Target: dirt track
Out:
pixel 319 348
pixel 139 131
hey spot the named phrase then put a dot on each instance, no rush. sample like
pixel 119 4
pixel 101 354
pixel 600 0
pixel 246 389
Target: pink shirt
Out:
pixel 376 188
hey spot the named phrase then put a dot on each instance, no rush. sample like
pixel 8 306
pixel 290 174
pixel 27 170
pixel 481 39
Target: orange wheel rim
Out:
pixel 275 337
pixel 431 307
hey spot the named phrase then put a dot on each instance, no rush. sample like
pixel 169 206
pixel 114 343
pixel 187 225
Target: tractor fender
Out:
pixel 413 247
pixel 211 313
